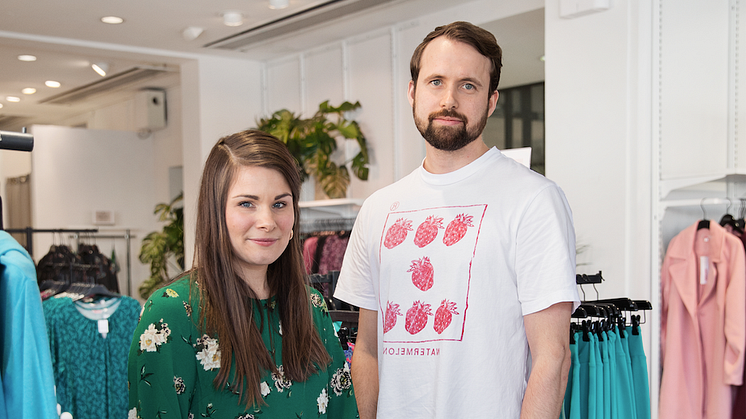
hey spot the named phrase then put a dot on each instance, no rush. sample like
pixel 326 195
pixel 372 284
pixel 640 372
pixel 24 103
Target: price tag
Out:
pixel 103 327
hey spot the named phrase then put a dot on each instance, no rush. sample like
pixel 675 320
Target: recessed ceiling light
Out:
pixel 27 57
pixel 112 20
pixel 232 18
pixel 278 4
pixel 28 91
pixel 13 99
pixel 100 68
pixel 53 84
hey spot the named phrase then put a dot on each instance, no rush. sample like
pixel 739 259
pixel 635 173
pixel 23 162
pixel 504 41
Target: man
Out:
pixel 465 264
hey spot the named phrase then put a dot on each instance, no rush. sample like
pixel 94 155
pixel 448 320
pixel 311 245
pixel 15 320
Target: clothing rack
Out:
pixel 127 238
pixel 77 235
pixel 31 231
pixel 611 310
pixel 330 224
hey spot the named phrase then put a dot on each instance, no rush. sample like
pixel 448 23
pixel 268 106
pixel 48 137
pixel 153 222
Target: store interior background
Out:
pixel 641 112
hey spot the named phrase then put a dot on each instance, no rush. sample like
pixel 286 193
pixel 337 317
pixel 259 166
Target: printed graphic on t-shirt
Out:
pixel 426 258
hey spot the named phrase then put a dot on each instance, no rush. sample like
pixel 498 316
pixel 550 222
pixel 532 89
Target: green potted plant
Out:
pixel 313 140
pixel 164 250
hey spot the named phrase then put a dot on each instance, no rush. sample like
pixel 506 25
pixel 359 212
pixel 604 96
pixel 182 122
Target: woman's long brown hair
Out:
pixel 226 300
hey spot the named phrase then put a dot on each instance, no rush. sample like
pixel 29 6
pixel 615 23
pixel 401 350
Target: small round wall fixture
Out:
pixel 232 18
pixel 278 4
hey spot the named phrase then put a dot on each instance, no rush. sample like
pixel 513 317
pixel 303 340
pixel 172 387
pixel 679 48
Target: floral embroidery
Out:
pixel 279 330
pixel 209 353
pixel 188 308
pixel 154 336
pixel 264 387
pixel 317 301
pixel 281 382
pixel 179 385
pixel 323 401
pixel 132 414
pixel 246 416
pixel 191 415
pixel 170 293
pixel 341 380
pixel 209 411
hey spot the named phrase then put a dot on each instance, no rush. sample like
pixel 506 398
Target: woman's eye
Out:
pixel 245 204
pixel 280 204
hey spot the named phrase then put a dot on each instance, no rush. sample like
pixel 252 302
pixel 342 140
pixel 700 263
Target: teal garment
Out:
pixel 90 370
pixel 26 381
pixel 584 354
pixel 173 364
pixel 571 404
pixel 639 373
pixel 593 382
pixel 603 343
pixel 600 391
pixel 624 378
pixel 613 379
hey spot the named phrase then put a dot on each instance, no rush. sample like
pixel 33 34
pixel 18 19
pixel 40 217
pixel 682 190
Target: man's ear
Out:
pixel 493 102
pixel 410 92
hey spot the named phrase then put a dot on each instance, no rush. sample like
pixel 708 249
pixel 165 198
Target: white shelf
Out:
pixel 326 208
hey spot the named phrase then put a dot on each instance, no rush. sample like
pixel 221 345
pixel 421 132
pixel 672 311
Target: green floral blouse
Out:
pixel 172 366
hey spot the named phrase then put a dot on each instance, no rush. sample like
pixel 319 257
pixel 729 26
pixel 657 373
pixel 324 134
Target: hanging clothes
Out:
pixel 703 323
pixel 90 347
pixel 26 371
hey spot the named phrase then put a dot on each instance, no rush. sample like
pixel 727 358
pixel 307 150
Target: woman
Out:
pixel 241 335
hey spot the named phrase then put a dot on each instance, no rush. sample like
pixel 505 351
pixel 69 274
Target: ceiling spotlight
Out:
pixel 100 68
pixel 28 91
pixel 232 18
pixel 26 57
pixel 191 33
pixel 53 84
pixel 13 99
pixel 278 4
pixel 112 20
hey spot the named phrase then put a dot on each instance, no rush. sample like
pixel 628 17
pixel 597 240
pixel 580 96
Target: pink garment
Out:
pixel 703 325
pixel 309 253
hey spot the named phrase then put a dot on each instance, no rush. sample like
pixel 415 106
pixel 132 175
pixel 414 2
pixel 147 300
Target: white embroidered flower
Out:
pixel 323 401
pixel 341 380
pixel 209 358
pixel 280 329
pixel 149 339
pixel 264 387
pixel 132 414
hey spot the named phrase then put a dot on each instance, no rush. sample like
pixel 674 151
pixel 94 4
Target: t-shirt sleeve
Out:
pixel 356 285
pixel 162 362
pixel 545 252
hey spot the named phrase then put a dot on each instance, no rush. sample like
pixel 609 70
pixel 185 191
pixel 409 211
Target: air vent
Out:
pixel 313 16
pixel 105 85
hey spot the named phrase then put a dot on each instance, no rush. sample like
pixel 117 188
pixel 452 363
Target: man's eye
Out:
pixel 436 82
pixel 469 86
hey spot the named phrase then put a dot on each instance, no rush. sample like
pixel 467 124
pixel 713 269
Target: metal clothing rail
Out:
pixel 30 233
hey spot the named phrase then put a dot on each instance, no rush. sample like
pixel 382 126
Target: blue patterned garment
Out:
pixel 90 371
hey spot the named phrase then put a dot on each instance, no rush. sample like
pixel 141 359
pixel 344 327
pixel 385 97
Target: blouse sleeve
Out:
pixel 341 397
pixel 162 362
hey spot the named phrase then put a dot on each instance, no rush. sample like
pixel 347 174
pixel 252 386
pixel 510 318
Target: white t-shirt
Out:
pixel 452 263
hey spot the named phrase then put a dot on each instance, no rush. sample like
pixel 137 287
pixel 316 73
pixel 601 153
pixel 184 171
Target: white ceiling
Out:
pixel 67 36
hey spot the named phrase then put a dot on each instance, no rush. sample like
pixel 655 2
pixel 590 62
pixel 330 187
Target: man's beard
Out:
pixel 449 138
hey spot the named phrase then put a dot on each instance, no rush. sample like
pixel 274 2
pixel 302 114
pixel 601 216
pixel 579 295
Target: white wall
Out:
pixel 220 96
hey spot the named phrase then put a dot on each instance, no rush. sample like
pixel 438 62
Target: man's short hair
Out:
pixel 470 34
